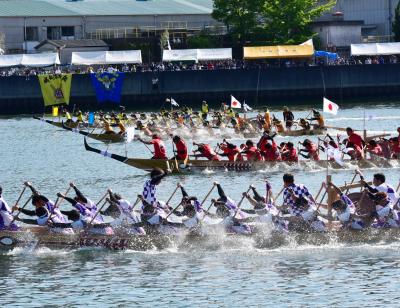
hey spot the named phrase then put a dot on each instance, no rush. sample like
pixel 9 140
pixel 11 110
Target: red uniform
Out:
pixel 253 154
pixel 291 155
pixel 395 149
pixel 272 153
pixel 357 153
pixel 377 150
pixel 312 151
pixel 159 149
pixel 356 139
pixel 233 154
pixel 181 150
pixel 208 152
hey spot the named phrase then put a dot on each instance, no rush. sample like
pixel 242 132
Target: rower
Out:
pixel 292 192
pixel 231 151
pixel 288 117
pixel 269 150
pixel 127 218
pixel 206 151
pixel 354 151
pixel 80 222
pixel 107 127
pixel 374 149
pixel 267 120
pixel 181 148
pixel 67 116
pixel 121 126
pixel 354 138
pixel 304 124
pixel 192 209
pixel 385 216
pixel 149 189
pixel 79 117
pixel 43 218
pixel 86 202
pixel 317 116
pixel 86 214
pixel 278 125
pixel 251 151
pixel 6 218
pixel 394 147
pixel 346 211
pixel 159 147
pixel 310 148
pixel 289 153
pixel 380 185
pixel 261 206
pixel 204 110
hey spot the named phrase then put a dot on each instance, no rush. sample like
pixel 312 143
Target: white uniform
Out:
pixel 5 214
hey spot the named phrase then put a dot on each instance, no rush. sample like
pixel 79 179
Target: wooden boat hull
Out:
pixel 106 138
pixel 263 237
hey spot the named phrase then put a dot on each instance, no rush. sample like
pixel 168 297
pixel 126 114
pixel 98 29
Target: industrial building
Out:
pixel 26 23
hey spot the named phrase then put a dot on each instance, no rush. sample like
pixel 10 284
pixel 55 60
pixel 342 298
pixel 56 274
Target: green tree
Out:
pixel 275 21
pixel 289 21
pixel 240 16
pixel 396 24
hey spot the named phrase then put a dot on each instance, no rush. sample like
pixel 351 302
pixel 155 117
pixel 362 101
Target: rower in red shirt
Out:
pixel 310 148
pixel 181 148
pixel 289 153
pixel 251 151
pixel 231 150
pixel 394 147
pixel 159 148
pixel 354 151
pixel 206 151
pixel 354 138
pixel 271 152
pixel 374 148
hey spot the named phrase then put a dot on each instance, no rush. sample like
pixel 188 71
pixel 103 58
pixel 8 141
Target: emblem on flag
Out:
pixel 235 103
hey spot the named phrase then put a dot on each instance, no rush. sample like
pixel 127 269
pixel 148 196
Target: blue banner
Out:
pixel 91 118
pixel 108 86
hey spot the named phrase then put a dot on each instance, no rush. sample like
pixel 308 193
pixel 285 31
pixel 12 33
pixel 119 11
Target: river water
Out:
pixel 214 274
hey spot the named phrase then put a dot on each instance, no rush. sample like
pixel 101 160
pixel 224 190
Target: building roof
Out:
pixel 47 8
pixel 72 43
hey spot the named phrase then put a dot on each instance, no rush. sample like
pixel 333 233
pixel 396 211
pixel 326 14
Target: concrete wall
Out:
pixel 265 87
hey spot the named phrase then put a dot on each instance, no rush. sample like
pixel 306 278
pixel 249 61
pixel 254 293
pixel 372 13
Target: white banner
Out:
pixel 88 57
pixel 197 54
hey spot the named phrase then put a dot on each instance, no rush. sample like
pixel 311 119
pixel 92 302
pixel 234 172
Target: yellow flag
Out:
pixel 56 89
pixel 55 111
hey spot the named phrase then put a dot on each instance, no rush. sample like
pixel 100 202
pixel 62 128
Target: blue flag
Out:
pixel 91 118
pixel 108 86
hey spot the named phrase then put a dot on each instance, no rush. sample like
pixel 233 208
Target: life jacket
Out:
pixel 80 117
pixel 68 116
pixel 204 108
pixel 272 154
pixel 291 156
pixel 233 154
pixel 181 150
pixel 159 149
pixel 253 154
pixel 208 152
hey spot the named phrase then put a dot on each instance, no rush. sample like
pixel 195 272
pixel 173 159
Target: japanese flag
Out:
pixel 174 103
pixel 235 103
pixel 330 107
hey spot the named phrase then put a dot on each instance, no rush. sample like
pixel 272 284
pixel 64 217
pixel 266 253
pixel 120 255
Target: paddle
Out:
pixel 241 201
pixel 102 198
pixel 59 200
pixel 19 210
pixel 19 198
pixel 208 194
pixel 97 213
pixel 173 193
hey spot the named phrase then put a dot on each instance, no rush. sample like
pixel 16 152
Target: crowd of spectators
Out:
pixel 210 65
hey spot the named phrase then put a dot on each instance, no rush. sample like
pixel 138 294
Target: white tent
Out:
pixel 214 54
pixel 375 49
pixel 106 57
pixel 180 55
pixel 197 54
pixel 32 60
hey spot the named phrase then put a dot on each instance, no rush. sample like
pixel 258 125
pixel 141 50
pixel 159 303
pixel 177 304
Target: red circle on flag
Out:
pixel 330 107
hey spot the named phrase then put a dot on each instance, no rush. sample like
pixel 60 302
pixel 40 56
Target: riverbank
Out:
pixel 257 86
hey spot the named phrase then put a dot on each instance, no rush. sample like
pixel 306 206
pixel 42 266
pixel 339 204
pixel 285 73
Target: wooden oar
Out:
pixel 241 201
pixel 102 198
pixel 97 213
pixel 352 181
pixel 19 198
pixel 173 193
pixel 208 194
pixel 277 196
pixel 19 210
pixel 59 200
pixel 170 213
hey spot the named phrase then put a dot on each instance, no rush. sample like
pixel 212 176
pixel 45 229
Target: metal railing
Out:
pixel 377 39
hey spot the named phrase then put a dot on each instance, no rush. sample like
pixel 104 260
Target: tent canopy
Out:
pixel 375 49
pixel 31 60
pixel 280 51
pixel 197 54
pixel 106 57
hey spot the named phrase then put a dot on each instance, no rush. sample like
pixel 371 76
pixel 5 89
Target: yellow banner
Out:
pixel 56 89
pixel 55 111
pixel 284 51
